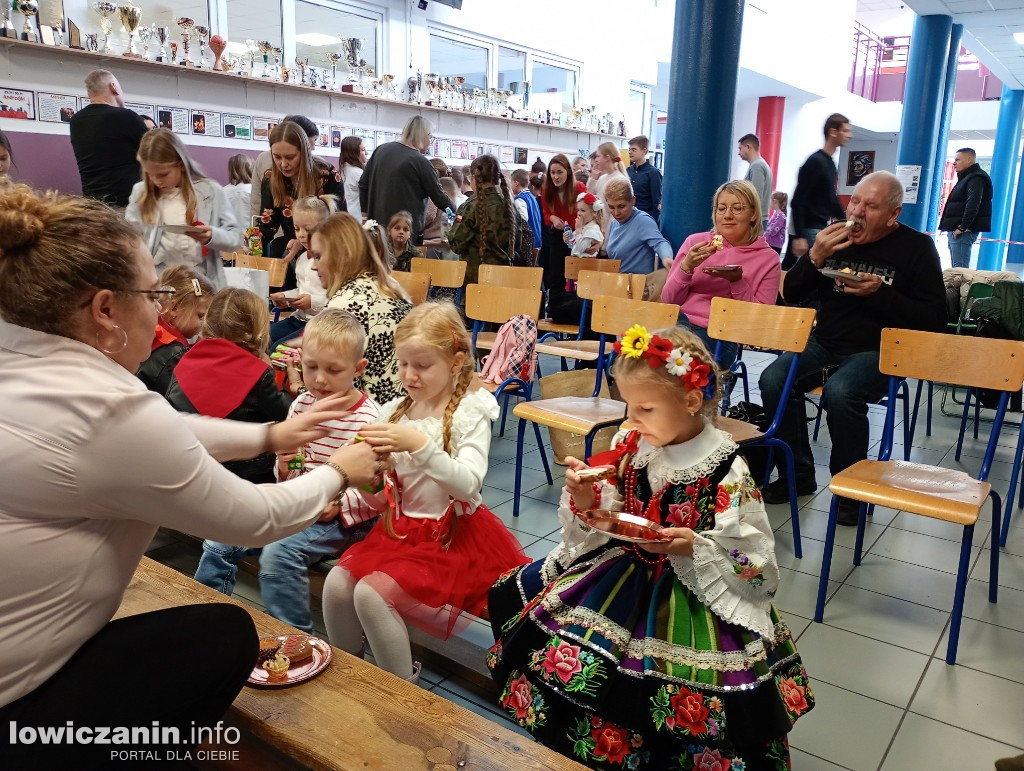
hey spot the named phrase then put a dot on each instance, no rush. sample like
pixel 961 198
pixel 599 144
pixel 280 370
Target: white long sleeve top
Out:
pixel 430 477
pixel 91 463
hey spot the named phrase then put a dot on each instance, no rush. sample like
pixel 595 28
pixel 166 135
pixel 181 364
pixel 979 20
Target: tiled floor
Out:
pixel 886 699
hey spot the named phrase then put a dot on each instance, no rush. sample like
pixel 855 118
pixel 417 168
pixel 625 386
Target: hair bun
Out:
pixel 22 219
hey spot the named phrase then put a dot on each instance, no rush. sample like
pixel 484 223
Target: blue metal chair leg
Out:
pixel 826 559
pixel 1015 474
pixel 977 413
pixel 543 453
pixel 520 436
pixel 588 443
pixel 963 423
pixel 858 550
pixel 961 590
pixel 928 426
pixel 794 514
pixel 504 413
pixel 993 566
pixel 908 432
pixel 917 407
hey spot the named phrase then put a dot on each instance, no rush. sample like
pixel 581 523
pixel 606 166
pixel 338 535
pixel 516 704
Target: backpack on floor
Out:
pixel 522 241
pixel 514 353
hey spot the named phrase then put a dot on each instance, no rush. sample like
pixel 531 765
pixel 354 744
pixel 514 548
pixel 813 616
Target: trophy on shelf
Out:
pixel 105 9
pixel 251 49
pixel 160 34
pixel 286 74
pixel 6 28
pixel 187 25
pixel 218 46
pixel 231 64
pixel 145 33
pixel 333 58
pixel 277 53
pixel 265 47
pixel 130 17
pixel 58 36
pixel 351 46
pixel 91 41
pixel 388 83
pixel 412 84
pixel 28 9
pixel 202 33
pixel 303 64
pixel 431 79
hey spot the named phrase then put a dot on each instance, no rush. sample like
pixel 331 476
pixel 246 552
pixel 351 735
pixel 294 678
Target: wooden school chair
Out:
pixel 450 274
pixel 416 285
pixel 511 276
pixel 779 328
pixel 573 266
pixel 583 415
pixel 931 491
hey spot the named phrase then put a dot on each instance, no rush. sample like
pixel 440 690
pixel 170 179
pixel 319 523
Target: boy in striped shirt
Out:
pixel 333 345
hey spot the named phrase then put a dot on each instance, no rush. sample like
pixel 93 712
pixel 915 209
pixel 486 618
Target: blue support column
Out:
pixel 702 99
pixel 1015 252
pixel 945 116
pixel 922 100
pixel 1004 165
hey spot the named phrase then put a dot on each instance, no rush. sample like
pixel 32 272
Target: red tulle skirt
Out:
pixel 430 586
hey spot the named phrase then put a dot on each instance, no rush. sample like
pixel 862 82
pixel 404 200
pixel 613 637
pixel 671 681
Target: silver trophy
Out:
pixel 28 9
pixel 278 53
pixel 251 49
pixel 91 41
pixel 351 46
pixel 6 28
pixel 186 25
pixel 105 9
pixel 303 65
pixel 333 58
pixel 265 47
pixel 145 33
pixel 161 34
pixel 202 33
pixel 130 17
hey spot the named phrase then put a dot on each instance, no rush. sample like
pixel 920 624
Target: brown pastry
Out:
pixel 269 646
pixel 297 648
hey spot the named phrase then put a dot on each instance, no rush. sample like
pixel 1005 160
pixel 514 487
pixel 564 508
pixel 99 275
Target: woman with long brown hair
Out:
pixel 351 163
pixel 357 280
pixel 558 209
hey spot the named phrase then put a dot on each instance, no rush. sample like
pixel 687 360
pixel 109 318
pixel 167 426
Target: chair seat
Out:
pixel 741 430
pixel 485 340
pixel 487 385
pixel 940 493
pixel 577 414
pixel 584 350
pixel 547 325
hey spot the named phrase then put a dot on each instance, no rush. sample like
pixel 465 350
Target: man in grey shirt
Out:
pixel 759 174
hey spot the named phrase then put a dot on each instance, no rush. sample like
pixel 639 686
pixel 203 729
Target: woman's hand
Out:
pixel 681 544
pixel 557 222
pixel 582 492
pixel 696 256
pixel 303 302
pixel 304 428
pixel 360 462
pixel 391 437
pixel 202 234
pixel 732 275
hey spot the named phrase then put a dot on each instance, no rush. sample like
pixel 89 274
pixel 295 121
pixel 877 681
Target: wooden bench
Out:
pixel 354 715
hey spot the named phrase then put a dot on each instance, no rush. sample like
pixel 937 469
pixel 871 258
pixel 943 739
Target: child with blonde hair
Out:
pixel 185 216
pixel 227 373
pixel 182 311
pixel 333 345
pixel 667 651
pixel 400 237
pixel 437 548
pixel 590 225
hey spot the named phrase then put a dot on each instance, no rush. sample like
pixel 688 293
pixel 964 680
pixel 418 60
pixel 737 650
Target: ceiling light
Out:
pixel 1019 37
pixel 316 39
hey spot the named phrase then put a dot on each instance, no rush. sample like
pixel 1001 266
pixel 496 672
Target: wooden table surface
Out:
pixel 353 715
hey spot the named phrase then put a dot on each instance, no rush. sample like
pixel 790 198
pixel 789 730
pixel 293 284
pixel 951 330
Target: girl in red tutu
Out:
pixel 437 549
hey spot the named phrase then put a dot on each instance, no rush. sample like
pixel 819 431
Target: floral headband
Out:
pixel 590 200
pixel 638 343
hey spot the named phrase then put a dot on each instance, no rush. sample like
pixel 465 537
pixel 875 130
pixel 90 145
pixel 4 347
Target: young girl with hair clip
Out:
pixel 400 240
pixel 484 228
pixel 227 373
pixel 358 280
pixel 308 298
pixel 590 224
pixel 185 216
pixel 662 649
pixel 181 317
pixel 437 547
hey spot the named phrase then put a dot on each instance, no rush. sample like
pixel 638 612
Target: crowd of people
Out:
pixel 143 393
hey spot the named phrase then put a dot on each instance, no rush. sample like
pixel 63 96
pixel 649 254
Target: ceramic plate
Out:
pixel 842 276
pixel 301 672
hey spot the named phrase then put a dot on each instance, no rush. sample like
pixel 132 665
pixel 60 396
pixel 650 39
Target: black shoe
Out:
pixel 849 511
pixel 778 491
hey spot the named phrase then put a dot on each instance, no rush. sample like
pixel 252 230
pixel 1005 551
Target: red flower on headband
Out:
pixel 697 376
pixel 589 199
pixel 658 351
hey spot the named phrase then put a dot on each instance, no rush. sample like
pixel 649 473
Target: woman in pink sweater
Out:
pixel 732 260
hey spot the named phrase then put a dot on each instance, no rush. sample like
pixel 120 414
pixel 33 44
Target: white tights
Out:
pixel 353 607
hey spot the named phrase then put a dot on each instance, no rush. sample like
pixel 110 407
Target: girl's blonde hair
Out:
pixel 611 152
pixel 348 252
pixel 239 316
pixel 189 285
pixel 640 371
pixel 438 325
pixel 380 241
pixel 308 179
pixel 322 206
pixel 747 193
pixel 163 146
pixel 401 216
pixel 598 213
pixel 239 169
pixel 336 330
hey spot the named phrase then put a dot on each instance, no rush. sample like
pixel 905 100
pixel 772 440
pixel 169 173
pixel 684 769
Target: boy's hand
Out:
pixel 681 544
pixel 390 437
pixel 582 492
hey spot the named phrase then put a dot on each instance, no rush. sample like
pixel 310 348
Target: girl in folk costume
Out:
pixel 437 548
pixel 663 654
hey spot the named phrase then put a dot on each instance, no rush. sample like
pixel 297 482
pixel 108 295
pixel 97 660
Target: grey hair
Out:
pixel 894 188
pixel 98 81
pixel 416 132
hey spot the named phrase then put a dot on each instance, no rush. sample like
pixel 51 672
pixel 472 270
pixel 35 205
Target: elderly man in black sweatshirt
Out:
pixel 895 280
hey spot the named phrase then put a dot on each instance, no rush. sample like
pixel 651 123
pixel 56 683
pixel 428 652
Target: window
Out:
pixel 450 57
pixel 639 116
pixel 319 30
pixel 253 20
pixel 511 67
pixel 553 87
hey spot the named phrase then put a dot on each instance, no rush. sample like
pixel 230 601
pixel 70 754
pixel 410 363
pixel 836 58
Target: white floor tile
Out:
pixel 887 619
pixel 923 744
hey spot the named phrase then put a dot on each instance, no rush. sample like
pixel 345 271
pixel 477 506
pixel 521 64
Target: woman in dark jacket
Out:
pixel 226 374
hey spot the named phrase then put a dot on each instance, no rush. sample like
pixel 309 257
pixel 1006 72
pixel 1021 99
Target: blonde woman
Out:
pixel 605 165
pixel 185 216
pixel 357 279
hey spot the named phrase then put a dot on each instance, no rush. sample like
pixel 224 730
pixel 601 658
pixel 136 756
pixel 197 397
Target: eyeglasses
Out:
pixel 736 208
pixel 163 297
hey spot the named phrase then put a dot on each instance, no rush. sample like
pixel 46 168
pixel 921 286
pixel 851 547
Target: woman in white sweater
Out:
pixel 91 464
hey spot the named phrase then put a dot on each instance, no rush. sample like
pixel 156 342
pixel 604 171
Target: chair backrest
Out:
pixel 594 283
pixel 417 285
pixel 277 268
pixel 573 266
pixel 511 276
pixel 446 273
pixel 614 315
pixel 497 304
pixel 967 361
pixel 776 327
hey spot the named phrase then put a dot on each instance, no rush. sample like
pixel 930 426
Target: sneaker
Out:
pixel 848 512
pixel 778 491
